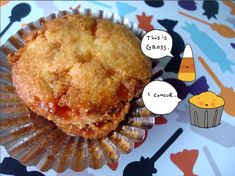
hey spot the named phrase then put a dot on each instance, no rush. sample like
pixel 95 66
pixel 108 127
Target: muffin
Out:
pixel 81 73
pixel 206 109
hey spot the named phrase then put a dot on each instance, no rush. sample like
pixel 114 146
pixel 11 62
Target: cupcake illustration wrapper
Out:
pixel 35 141
pixel 205 118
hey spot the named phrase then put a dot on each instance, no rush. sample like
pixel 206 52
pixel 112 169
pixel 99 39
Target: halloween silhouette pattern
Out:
pixel 156 75
pixel 155 4
pixel 4 2
pixel 221 29
pixel 211 161
pixel 211 8
pixel 113 166
pixel 231 21
pixel 162 64
pixel 230 4
pixel 47 6
pixel 145 167
pixel 233 45
pixel 217 135
pixel 199 86
pixel 183 114
pixel 187 4
pixel 185 161
pixel 209 47
pixel 125 8
pixel 11 166
pixel 177 47
pixel 69 172
pixel 18 12
pixel 227 93
pixel 160 120
pixel 144 22
pixel 101 4
pixel 73 8
pixel 139 143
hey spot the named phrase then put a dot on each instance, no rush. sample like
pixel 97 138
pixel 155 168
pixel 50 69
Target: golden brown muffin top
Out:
pixel 207 100
pixel 78 66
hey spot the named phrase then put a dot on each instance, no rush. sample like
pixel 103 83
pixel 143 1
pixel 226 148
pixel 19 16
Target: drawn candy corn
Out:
pixel 187 66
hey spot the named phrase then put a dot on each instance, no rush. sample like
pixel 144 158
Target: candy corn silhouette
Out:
pixel 187 66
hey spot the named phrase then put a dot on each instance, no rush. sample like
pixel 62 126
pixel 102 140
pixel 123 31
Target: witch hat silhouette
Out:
pixel 177 47
pixel 187 4
pixel 145 167
pixel 151 3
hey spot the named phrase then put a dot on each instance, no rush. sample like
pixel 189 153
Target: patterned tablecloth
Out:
pixel 212 150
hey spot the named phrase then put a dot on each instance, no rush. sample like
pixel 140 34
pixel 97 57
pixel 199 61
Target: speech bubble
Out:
pixel 157 44
pixel 160 97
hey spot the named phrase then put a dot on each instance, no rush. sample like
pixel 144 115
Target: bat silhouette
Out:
pixel 199 86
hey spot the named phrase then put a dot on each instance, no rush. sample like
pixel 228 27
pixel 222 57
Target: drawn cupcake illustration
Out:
pixel 206 109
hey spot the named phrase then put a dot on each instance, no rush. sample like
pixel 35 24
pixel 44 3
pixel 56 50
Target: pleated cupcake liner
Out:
pixel 35 141
pixel 205 117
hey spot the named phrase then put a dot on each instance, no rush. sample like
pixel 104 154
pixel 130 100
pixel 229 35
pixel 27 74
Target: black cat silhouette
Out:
pixel 211 8
pixel 177 47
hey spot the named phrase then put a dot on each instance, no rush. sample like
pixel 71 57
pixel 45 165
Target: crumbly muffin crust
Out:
pixel 81 73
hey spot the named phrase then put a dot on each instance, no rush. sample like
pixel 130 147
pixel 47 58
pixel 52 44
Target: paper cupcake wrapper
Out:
pixel 205 118
pixel 35 141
